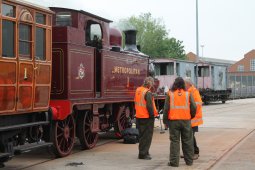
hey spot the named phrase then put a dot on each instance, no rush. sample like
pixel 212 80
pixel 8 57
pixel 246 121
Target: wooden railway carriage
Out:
pixel 25 74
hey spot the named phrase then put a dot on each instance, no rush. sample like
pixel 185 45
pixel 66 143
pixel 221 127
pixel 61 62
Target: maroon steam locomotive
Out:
pixel 63 75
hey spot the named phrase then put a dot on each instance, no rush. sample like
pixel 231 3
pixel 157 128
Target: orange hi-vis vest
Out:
pixel 197 120
pixel 140 103
pixel 179 105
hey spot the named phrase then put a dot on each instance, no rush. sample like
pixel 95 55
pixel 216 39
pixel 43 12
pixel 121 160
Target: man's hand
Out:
pixel 158 116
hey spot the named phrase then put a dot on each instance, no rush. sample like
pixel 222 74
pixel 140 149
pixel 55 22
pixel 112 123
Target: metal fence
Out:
pixel 242 84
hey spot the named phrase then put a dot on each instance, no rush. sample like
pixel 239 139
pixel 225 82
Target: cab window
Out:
pixel 63 19
pixel 94 35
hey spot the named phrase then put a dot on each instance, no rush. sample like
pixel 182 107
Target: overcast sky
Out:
pixel 226 27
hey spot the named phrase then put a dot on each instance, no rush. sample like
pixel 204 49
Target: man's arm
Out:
pixel 193 107
pixel 149 105
pixel 166 110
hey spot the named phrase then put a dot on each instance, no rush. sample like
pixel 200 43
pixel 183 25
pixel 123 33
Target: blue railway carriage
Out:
pixel 211 78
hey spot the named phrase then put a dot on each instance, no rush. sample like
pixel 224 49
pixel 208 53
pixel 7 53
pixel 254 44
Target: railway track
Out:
pixel 226 108
pixel 22 162
pixel 230 150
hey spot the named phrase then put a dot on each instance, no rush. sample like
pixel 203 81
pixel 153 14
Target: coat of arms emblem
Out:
pixel 81 72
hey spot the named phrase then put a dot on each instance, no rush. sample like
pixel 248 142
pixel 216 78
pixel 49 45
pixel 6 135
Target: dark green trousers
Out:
pixel 181 129
pixel 145 128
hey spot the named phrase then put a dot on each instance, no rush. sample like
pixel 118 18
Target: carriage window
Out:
pixel 188 73
pixel 8 38
pixel 94 35
pixel 40 44
pixel 40 18
pixel 163 69
pixel 203 71
pixel 63 19
pixel 25 40
pixel 8 10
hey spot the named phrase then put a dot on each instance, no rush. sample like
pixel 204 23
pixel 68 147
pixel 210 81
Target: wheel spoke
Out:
pixel 86 131
pixel 61 141
pixel 64 136
pixel 60 135
pixel 60 128
pixel 122 118
pixel 87 138
pixel 68 121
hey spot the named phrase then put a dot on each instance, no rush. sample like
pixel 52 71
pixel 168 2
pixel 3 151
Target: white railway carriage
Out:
pixel 211 77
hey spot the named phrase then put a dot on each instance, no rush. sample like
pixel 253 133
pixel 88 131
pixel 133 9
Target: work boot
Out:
pixel 146 157
pixel 195 156
pixel 171 164
pixel 189 164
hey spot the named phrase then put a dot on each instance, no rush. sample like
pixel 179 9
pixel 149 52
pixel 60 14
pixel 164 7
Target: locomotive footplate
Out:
pixel 28 147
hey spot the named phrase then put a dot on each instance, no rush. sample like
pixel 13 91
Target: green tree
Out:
pixel 153 38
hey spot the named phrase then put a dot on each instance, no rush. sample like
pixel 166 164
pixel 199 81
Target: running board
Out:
pixel 29 147
pixel 13 127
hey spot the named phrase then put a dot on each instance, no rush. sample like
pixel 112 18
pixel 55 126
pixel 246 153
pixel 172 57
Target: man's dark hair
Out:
pixel 178 84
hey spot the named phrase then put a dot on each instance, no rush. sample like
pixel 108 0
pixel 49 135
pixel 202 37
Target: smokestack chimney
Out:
pixel 130 41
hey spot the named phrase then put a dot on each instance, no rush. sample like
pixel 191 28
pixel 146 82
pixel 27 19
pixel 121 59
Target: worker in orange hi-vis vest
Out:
pixel 145 114
pixel 179 109
pixel 197 120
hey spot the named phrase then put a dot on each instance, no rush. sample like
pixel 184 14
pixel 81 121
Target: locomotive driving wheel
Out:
pixel 123 118
pixel 63 136
pixel 88 139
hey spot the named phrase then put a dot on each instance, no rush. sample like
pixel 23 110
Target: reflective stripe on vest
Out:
pixel 179 107
pixel 140 103
pixel 199 103
pixel 197 120
pixel 182 111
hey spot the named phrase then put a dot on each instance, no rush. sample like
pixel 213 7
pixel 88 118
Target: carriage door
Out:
pixel 212 77
pixel 25 62
pixel 34 74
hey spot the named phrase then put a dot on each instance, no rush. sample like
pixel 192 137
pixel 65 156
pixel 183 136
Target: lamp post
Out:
pixel 202 50
pixel 197 43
